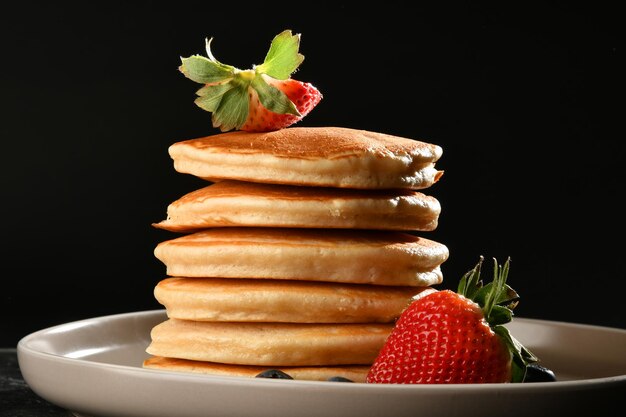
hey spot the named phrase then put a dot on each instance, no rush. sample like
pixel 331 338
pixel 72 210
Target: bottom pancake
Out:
pixel 355 373
pixel 269 344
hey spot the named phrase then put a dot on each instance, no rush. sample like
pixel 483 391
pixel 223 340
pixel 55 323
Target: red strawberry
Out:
pixel 455 338
pixel 304 95
pixel 259 99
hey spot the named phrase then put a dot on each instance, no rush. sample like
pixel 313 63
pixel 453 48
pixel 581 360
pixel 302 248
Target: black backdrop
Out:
pixel 523 102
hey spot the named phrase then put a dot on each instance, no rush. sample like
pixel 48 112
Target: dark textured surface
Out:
pixel 16 398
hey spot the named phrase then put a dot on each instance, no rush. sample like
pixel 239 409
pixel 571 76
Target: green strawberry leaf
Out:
pixel 499 315
pixel 210 96
pixel 272 98
pixel 480 297
pixel 283 58
pixel 202 70
pixel 521 357
pixel 470 283
pixel 232 111
pixel 463 284
pixel 518 371
pixel 508 298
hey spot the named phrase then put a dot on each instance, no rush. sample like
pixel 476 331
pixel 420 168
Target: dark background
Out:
pixel 523 102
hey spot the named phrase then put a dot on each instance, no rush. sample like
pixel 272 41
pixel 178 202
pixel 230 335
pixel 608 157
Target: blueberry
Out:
pixel 274 374
pixel 538 373
pixel 339 379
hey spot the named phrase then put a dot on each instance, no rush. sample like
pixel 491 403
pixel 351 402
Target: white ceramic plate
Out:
pixel 93 367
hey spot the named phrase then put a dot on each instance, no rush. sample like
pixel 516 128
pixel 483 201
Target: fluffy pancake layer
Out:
pixel 248 300
pixel 350 256
pixel 269 344
pixel 312 156
pixel 236 203
pixel 355 373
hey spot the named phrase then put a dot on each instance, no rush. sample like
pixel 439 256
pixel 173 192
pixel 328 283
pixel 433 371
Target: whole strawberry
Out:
pixel 260 99
pixel 456 338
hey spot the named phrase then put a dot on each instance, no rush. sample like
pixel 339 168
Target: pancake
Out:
pixel 250 300
pixel 269 344
pixel 312 156
pixel 355 373
pixel 350 256
pixel 236 203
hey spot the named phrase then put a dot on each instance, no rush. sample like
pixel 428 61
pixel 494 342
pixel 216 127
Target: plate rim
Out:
pixel 24 348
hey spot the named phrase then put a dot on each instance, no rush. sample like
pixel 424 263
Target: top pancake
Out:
pixel 311 156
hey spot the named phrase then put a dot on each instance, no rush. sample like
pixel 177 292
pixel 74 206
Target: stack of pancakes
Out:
pixel 298 255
